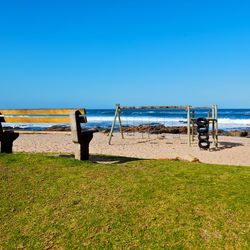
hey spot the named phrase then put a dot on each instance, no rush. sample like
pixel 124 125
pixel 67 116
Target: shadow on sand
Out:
pixel 226 145
pixel 106 159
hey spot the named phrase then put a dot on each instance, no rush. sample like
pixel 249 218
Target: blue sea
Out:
pixel 229 119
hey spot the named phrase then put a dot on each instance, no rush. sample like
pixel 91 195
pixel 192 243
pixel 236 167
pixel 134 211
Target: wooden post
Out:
pixel 80 139
pixel 1 128
pixel 1 137
pixel 117 106
pixel 188 126
pixel 208 121
pixel 213 117
pixel 6 141
pixel 120 123
pixel 216 126
pixel 75 125
pixel 193 126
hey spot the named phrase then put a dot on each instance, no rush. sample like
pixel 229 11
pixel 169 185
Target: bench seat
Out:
pixel 74 117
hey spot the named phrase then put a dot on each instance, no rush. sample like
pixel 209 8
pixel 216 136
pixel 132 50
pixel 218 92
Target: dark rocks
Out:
pixel 94 130
pixel 158 129
pixel 239 133
pixel 8 128
pixel 149 128
pixel 57 128
pixel 67 128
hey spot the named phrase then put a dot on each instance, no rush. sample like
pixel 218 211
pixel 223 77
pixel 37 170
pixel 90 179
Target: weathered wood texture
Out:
pixel 82 148
pixel 216 125
pixel 74 117
pixel 193 114
pixel 190 120
pixel 39 115
pixel 1 129
pixel 117 110
pixel 41 132
pixel 80 138
pixel 6 141
pixel 156 107
pixel 201 107
pixel 165 107
pixel 38 111
pixel 75 125
pixel 188 126
pixel 35 119
pixel 45 119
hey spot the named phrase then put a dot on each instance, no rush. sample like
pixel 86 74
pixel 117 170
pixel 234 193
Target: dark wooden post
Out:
pixel 80 139
pixel 192 125
pixel 1 137
pixel 7 139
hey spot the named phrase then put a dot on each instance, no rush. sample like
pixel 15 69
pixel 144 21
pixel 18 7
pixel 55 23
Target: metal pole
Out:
pixel 113 125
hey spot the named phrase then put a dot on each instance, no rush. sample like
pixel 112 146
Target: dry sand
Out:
pixel 231 150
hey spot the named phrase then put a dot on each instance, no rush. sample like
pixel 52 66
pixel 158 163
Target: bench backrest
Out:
pixel 39 116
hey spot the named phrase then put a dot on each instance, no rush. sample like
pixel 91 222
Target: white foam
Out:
pixel 30 125
pixel 233 123
pixel 134 119
pixel 224 123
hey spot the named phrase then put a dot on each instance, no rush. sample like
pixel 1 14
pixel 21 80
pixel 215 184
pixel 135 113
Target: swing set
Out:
pixel 191 120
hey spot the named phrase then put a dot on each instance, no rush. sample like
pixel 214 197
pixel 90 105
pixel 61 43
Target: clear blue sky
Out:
pixel 97 53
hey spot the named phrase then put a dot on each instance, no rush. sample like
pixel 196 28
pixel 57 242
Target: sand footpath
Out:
pixel 231 150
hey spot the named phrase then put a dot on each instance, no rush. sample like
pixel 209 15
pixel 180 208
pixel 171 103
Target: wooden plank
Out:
pixel 41 119
pixel 30 119
pixel 42 132
pixel 165 107
pixel 155 107
pixel 39 111
pixel 209 119
pixel 201 107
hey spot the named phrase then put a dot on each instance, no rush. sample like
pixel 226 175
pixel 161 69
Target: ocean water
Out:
pixel 228 118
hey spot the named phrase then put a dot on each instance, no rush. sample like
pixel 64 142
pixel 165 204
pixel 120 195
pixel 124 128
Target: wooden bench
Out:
pixel 74 117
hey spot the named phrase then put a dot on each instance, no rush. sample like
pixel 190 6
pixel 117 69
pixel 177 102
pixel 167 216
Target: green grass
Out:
pixel 55 202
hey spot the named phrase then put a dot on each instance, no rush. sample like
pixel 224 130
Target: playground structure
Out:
pixel 212 118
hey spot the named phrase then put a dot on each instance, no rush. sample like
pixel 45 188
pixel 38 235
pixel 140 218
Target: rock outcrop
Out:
pixel 156 129
pixel 240 133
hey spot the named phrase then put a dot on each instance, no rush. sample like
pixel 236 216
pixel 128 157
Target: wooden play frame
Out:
pixel 190 120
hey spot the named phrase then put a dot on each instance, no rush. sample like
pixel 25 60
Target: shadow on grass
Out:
pixel 106 159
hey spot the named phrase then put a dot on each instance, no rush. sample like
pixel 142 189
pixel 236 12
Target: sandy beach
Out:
pixel 231 150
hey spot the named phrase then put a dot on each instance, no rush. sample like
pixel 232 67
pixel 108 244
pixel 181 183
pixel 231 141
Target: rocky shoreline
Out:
pixel 160 129
pixel 151 129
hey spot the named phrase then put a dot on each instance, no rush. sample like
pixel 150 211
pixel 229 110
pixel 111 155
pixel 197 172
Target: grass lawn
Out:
pixel 55 202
